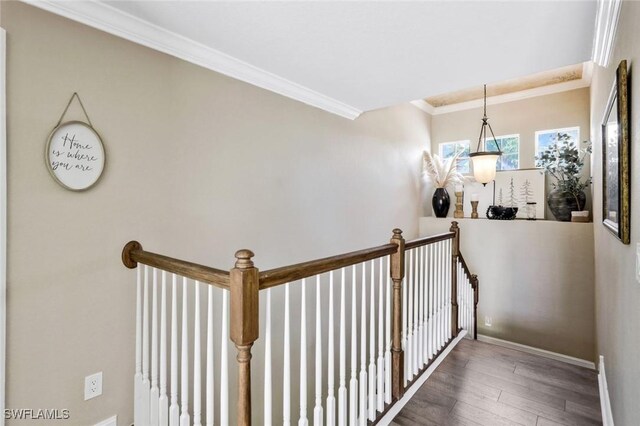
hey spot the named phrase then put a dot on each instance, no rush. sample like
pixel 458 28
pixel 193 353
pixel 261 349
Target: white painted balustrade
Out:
pixel 332 367
pixel 169 362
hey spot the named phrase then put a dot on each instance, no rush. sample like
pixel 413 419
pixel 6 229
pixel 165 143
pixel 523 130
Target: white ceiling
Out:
pixel 368 55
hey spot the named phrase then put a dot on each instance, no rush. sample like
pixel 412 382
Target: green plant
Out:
pixel 564 160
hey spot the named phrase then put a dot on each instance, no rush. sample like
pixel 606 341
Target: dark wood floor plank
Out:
pixel 500 409
pixel 484 384
pixel 592 411
pixel 563 382
pixel 561 416
pixel 480 416
pixel 575 395
pixel 546 422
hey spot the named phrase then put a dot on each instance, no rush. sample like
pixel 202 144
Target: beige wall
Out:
pixel 524 117
pixel 199 165
pixel 617 291
pixel 536 280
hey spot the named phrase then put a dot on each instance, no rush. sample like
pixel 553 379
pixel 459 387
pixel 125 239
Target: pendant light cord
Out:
pixel 485 124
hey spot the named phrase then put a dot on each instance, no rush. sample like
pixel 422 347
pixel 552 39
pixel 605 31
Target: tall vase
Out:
pixel 440 202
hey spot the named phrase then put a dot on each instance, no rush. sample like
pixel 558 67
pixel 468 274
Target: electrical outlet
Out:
pixel 93 386
pixel 638 262
pixel 487 321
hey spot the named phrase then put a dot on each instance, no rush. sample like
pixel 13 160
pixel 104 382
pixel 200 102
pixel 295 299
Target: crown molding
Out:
pixel 605 31
pixel 113 21
pixel 585 81
pixel 423 105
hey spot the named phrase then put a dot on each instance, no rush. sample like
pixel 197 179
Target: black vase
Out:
pixel 440 202
pixel 563 203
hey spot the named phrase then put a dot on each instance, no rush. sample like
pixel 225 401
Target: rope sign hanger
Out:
pixel 75 154
pixel 74 96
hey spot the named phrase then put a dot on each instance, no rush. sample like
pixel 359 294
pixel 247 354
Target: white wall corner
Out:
pixel 605 402
pixel 605 31
pixel 114 21
pixel 111 421
pixel 423 105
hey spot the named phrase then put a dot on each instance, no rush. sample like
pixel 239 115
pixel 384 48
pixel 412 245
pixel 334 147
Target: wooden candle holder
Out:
pixel 474 208
pixel 459 212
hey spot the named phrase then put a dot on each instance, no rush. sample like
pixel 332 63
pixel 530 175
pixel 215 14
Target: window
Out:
pixel 510 147
pixel 544 138
pixel 449 149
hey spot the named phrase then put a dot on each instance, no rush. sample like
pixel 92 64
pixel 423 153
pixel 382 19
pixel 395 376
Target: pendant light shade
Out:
pixel 484 166
pixel 484 162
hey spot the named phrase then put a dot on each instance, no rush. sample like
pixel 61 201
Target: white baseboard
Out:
pixel 536 351
pixel 393 412
pixel 111 421
pixel 605 403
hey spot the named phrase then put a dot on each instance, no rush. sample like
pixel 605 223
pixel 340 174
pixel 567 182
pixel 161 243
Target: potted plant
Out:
pixel 442 174
pixel 564 160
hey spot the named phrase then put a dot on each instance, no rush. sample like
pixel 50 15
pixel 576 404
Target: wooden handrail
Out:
pixel 285 274
pixel 464 265
pixel 132 254
pixel 428 240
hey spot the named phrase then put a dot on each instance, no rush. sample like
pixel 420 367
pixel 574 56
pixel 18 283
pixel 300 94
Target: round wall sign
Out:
pixel 75 155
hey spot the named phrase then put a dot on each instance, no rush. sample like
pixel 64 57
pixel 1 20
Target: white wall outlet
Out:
pixel 638 262
pixel 93 386
pixel 487 321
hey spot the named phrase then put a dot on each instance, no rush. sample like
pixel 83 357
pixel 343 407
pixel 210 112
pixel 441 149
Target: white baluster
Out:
pixel 303 421
pixel 286 380
pixel 416 312
pixel 449 278
pixel 197 367
pixel 387 353
pixel 146 384
pixel 371 376
pixel 342 390
pixel 362 415
pixel 425 301
pixel 405 320
pixel 331 399
pixel 154 400
pixel 210 406
pixel 137 380
pixel 174 408
pixel 420 358
pixel 163 415
pixel 437 297
pixel 317 411
pixel 268 400
pixel 380 360
pixel 224 361
pixel 429 301
pixel 409 351
pixel 185 419
pixel 353 383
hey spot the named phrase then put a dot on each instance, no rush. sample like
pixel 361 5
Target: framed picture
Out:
pixel 616 195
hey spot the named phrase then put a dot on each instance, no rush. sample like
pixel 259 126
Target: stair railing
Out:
pixel 414 297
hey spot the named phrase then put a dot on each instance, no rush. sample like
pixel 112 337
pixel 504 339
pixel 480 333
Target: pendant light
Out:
pixel 484 162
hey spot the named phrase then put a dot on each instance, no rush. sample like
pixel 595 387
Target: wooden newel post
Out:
pixel 455 253
pixel 244 326
pixel 474 284
pixel 397 355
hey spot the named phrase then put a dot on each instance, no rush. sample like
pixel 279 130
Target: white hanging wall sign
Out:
pixel 75 154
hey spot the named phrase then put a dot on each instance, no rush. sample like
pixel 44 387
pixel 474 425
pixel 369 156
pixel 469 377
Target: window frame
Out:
pixel 559 130
pixel 461 142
